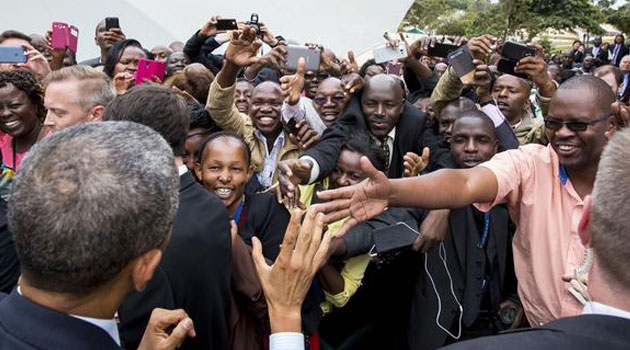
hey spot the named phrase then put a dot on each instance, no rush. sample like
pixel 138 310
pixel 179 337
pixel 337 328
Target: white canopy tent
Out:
pixel 340 25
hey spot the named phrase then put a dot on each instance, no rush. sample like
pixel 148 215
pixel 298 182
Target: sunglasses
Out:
pixel 337 100
pixel 552 124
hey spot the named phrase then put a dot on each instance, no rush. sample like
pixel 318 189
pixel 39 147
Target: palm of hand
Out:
pixel 371 198
pixel 296 85
pixel 240 52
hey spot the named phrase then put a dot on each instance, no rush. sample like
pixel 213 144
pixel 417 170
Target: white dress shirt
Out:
pixel 593 308
pixel 286 341
pixel 182 169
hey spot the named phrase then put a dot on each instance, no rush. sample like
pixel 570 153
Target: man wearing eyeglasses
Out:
pixel 543 186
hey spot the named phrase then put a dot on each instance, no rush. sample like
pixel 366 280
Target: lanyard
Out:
pixel 486 231
pixel 239 211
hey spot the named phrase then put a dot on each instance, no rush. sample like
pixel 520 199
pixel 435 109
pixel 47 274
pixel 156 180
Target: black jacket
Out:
pixel 466 263
pixel 9 264
pixel 26 325
pixel 623 51
pixel 266 219
pixel 194 274
pixel 409 138
pixel 199 49
pixel 584 332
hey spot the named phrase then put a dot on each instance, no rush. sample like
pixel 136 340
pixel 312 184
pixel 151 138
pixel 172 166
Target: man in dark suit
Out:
pixel 9 264
pixel 89 226
pixel 600 56
pixel 605 321
pixel 196 270
pixel 619 49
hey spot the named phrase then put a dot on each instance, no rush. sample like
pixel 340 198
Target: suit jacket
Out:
pixel 622 52
pixel 9 264
pixel 601 57
pixel 467 265
pixel 409 138
pixel 584 332
pixel 26 325
pixel 194 274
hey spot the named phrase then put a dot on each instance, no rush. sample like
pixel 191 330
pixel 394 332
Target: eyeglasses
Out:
pixel 573 126
pixel 337 100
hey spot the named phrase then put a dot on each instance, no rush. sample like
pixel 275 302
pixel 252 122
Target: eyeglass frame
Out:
pixel 574 129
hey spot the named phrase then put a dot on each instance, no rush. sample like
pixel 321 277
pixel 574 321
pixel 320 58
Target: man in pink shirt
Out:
pixel 543 187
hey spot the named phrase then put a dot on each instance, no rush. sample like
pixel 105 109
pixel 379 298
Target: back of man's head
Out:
pixel 14 34
pixel 156 107
pixel 88 201
pixel 610 237
pixel 94 87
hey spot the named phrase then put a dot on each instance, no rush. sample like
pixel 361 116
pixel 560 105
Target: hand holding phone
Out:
pixel 462 62
pixel 64 37
pixel 312 57
pixel 226 24
pixel 111 22
pixel 149 70
pixel 12 54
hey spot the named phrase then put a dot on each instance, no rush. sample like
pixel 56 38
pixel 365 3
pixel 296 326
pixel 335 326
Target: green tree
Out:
pixel 620 18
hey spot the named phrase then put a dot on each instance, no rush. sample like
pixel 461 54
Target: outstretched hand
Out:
pixel 292 85
pixel 243 48
pixel 415 164
pixel 286 282
pixel 359 202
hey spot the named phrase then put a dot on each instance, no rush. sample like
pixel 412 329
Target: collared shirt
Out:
pixel 182 169
pixel 391 137
pixel 593 308
pixel 109 326
pixel 286 341
pixel 265 177
pixel 547 210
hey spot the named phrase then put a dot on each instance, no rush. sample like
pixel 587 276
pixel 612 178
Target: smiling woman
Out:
pixel 21 114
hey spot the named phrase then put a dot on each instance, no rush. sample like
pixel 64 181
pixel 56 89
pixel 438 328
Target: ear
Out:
pixel 96 114
pixel 584 228
pixel 611 127
pixel 198 170
pixel 144 267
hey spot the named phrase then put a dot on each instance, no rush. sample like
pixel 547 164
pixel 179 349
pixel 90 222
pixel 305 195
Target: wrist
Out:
pixel 285 320
pixel 547 88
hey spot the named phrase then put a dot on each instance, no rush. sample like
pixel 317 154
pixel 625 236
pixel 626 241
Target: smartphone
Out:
pixel 59 38
pixel 227 24
pixel 507 66
pixel 441 50
pixel 386 53
pixel 148 69
pixel 393 238
pixel 516 52
pixel 111 22
pixel 73 38
pixel 12 54
pixel 462 62
pixel 312 56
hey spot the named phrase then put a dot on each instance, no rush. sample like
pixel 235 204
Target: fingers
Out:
pixel 303 245
pixel 418 243
pixel 347 226
pixel 426 155
pixel 351 58
pixel 290 238
pixel 185 328
pixel 368 168
pixel 339 193
pixel 312 140
pixel 301 67
pixel 259 260
pixel 321 255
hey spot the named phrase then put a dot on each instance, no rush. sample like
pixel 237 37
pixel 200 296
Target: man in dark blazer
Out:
pixel 89 227
pixel 196 270
pixel 618 49
pixel 605 321
pixel 600 55
pixel 9 264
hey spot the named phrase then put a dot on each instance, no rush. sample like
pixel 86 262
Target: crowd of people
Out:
pixel 242 204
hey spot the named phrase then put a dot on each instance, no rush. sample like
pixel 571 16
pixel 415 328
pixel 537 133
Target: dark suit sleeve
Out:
pixel 326 152
pixel 192 48
pixel 9 265
pixel 506 136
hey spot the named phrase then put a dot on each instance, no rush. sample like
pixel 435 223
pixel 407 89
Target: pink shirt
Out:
pixel 7 152
pixel 547 210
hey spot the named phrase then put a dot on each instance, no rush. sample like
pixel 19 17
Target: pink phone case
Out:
pixel 73 38
pixel 147 69
pixel 59 38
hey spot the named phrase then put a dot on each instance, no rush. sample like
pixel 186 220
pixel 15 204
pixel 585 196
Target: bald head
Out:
pixel 384 82
pixel 597 92
pixel 267 86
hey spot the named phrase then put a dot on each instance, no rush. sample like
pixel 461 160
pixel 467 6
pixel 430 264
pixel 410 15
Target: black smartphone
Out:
pixel 12 54
pixel 441 50
pixel 394 238
pixel 227 24
pixel 516 52
pixel 292 126
pixel 111 22
pixel 507 66
pixel 462 62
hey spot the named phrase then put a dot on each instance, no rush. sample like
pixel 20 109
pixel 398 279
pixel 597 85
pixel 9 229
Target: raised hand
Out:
pixel 285 283
pixel 123 81
pixel 292 85
pixel 113 37
pixel 306 137
pixel 415 164
pixel 536 69
pixel 291 174
pixel 243 48
pixel 351 83
pixel 167 329
pixel 210 27
pixel 482 46
pixel 359 202
pixel 482 81
pixel 621 118
pixel 350 64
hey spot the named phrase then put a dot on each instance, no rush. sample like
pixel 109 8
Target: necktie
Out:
pixel 385 149
pixel 616 53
